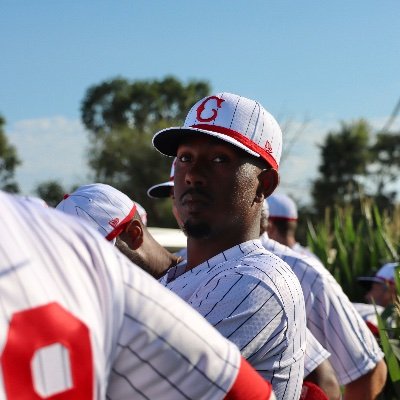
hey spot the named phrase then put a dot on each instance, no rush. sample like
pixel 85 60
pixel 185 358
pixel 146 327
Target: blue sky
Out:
pixel 315 61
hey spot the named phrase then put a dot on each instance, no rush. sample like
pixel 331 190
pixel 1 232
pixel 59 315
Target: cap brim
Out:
pixel 160 191
pixel 368 279
pixel 167 140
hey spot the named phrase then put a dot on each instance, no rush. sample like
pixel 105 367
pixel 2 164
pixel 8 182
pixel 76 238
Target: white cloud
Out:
pixel 52 148
pixel 301 155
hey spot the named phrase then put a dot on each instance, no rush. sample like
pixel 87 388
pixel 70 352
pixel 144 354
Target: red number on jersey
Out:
pixel 33 329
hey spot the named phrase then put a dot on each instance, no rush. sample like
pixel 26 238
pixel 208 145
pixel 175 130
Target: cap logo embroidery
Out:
pixel 202 107
pixel 114 222
pixel 268 147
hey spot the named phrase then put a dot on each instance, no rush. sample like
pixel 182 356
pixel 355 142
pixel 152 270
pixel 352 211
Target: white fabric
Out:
pixel 142 213
pixel 229 111
pixel 368 312
pixel 255 300
pixel 331 317
pixel 102 206
pixel 305 251
pixel 146 343
pixel 315 354
pixel 281 206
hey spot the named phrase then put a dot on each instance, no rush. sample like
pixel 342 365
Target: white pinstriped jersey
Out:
pixel 331 316
pixel 255 300
pixel 305 251
pixel 314 354
pixel 78 319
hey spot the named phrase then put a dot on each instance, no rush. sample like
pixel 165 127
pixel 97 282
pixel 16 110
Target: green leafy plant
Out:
pixel 354 242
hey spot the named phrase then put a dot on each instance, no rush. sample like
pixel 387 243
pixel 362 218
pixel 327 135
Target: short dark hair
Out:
pixel 284 226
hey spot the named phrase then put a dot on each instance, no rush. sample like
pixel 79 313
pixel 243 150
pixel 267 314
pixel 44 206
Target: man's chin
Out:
pixel 199 230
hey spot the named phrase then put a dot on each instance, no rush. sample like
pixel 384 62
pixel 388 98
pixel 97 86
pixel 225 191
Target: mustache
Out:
pixel 195 191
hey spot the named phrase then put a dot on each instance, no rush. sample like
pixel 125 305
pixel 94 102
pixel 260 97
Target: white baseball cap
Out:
pixel 232 118
pixel 282 206
pixel 105 208
pixel 162 190
pixel 384 275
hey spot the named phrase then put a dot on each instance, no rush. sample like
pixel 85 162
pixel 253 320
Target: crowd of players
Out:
pixel 243 312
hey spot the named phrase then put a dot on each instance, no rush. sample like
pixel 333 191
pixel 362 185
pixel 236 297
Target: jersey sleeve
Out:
pixel 340 329
pixel 315 354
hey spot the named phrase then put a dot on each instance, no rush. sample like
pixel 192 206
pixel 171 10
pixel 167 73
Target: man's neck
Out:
pixel 201 250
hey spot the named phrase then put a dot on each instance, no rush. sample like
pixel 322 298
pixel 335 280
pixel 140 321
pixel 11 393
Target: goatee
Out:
pixel 197 230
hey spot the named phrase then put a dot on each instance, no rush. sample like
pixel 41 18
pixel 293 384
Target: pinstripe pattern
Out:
pixel 315 354
pixel 255 300
pixel 331 317
pixel 146 342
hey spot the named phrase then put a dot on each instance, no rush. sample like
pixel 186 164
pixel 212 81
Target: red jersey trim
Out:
pixel 249 385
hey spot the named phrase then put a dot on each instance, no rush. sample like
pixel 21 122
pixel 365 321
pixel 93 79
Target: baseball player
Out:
pixel 331 317
pixel 79 321
pixel 282 222
pixel 119 219
pixel 382 287
pixel 317 368
pixel 227 159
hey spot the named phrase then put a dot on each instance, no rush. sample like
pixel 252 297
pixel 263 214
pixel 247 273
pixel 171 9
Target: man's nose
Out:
pixel 196 174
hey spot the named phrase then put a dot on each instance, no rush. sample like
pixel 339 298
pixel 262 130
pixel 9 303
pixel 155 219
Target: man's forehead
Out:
pixel 189 139
pixel 194 141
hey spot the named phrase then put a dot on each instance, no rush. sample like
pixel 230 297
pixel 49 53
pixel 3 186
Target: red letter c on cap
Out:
pixel 202 107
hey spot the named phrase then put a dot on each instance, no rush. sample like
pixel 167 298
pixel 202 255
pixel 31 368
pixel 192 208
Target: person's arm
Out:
pixel 368 386
pixel 324 377
pixel 141 248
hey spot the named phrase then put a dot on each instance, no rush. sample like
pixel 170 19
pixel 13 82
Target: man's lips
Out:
pixel 195 197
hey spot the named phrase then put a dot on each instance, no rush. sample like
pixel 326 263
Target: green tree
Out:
pixel 9 161
pixel 51 192
pixel 385 167
pixel 121 118
pixel 345 157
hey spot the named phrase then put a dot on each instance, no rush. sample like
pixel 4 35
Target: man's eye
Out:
pixel 183 158
pixel 220 159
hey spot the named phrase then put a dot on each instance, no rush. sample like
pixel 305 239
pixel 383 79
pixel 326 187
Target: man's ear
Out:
pixel 269 179
pixel 135 233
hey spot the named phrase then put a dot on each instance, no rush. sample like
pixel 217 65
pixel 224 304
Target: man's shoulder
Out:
pixel 296 261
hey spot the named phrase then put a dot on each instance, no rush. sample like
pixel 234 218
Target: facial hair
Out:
pixel 200 230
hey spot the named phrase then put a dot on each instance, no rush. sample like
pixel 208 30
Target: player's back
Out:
pixel 50 294
pixel 78 320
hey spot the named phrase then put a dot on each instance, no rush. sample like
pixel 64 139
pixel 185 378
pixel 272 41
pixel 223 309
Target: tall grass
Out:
pixel 354 243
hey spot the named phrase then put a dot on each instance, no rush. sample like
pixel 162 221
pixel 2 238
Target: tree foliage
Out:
pixel 121 118
pixel 385 169
pixel 9 161
pixel 119 103
pixel 352 168
pixel 51 192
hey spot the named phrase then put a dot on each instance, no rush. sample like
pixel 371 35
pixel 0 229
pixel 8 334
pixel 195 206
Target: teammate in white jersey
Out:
pixel 120 220
pixel 227 159
pixel 282 224
pixel 331 317
pixel 79 321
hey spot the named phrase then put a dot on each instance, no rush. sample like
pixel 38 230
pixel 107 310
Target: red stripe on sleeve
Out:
pixel 249 385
